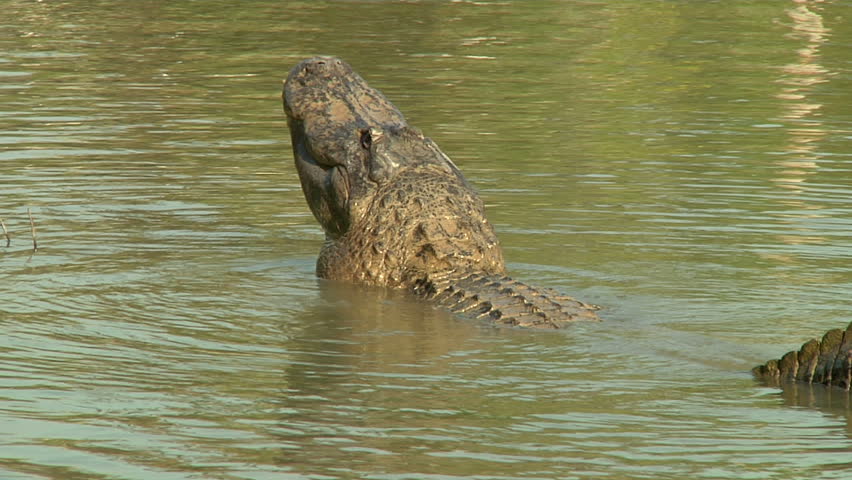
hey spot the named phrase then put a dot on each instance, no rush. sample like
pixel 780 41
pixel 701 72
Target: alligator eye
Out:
pixel 366 139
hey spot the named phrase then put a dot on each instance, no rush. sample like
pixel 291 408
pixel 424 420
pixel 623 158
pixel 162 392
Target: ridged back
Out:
pixel 503 300
pixel 826 362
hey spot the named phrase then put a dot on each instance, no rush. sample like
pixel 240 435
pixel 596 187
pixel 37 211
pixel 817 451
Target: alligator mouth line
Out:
pixel 303 154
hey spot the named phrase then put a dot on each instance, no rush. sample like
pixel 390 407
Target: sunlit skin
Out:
pixel 396 211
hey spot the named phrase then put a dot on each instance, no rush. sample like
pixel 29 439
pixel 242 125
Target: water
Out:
pixel 684 164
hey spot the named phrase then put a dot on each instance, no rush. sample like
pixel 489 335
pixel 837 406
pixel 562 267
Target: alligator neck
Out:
pixel 423 222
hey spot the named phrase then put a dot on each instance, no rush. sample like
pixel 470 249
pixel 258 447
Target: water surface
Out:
pixel 684 164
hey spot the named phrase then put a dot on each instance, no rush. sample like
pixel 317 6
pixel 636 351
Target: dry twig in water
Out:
pixel 32 230
pixel 5 233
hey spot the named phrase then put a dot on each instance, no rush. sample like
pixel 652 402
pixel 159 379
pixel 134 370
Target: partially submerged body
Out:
pixel 823 362
pixel 398 213
pixel 395 209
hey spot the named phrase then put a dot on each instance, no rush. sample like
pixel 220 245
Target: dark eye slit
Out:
pixel 366 139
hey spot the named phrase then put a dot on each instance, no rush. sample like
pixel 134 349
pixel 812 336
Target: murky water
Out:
pixel 688 165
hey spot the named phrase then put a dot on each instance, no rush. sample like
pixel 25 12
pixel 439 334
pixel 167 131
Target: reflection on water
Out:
pixel 692 177
pixel 805 128
pixel 803 121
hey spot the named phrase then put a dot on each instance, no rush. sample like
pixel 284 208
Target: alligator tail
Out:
pixel 502 300
pixel 827 362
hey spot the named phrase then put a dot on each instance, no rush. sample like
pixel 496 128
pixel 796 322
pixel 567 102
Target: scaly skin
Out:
pixel 395 209
pixel 827 362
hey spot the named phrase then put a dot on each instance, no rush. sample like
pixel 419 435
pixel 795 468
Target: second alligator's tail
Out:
pixel 827 361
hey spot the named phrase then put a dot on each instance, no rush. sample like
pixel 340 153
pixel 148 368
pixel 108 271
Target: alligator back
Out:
pixel 505 301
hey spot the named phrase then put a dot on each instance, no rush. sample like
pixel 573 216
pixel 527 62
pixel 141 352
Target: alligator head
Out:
pixel 393 206
pixel 348 140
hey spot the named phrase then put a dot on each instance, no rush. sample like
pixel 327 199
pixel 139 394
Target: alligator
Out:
pixel 395 209
pixel 398 213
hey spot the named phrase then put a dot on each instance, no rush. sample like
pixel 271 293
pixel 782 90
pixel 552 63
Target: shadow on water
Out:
pixel 831 401
pixel 352 327
pixel 358 355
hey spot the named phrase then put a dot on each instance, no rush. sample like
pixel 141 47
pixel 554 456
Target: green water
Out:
pixel 686 164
